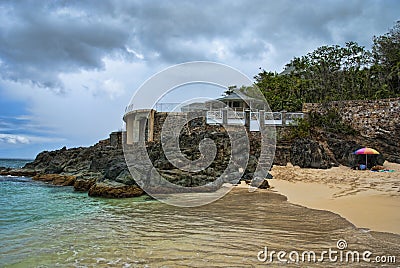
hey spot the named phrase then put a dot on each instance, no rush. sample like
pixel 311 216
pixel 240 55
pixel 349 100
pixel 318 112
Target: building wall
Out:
pixel 371 118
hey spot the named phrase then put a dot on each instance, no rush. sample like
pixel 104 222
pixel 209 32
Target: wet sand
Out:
pixel 368 199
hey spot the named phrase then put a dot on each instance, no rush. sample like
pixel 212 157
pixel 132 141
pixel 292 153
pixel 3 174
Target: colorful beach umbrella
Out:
pixel 366 151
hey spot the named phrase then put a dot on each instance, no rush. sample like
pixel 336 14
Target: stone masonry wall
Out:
pixel 116 139
pixel 373 118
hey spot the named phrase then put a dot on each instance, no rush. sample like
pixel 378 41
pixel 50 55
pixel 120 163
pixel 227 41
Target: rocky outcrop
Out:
pixel 83 168
pixel 101 169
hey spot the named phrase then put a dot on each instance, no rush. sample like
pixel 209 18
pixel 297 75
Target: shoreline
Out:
pixel 358 199
pixel 369 200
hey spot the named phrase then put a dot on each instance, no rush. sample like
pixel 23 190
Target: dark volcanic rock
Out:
pixel 307 153
pixel 125 177
pixel 343 150
pixel 82 167
pixel 282 153
pixel 264 185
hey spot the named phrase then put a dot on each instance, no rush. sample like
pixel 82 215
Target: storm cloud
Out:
pixel 41 40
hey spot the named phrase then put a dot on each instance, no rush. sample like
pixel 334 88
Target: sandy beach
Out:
pixel 368 199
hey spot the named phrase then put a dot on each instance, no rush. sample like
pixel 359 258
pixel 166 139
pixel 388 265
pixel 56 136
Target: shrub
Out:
pixel 329 121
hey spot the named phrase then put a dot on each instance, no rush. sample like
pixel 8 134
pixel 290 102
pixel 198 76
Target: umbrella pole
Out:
pixel 366 161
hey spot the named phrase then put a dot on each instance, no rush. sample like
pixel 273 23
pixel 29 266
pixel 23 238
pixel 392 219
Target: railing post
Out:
pixel 247 119
pixel 261 119
pixel 284 118
pixel 224 116
pixel 150 125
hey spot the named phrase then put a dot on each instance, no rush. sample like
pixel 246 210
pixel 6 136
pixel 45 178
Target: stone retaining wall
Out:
pixel 116 139
pixel 372 118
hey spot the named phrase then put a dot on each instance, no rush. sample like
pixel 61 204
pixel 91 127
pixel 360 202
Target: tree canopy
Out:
pixel 335 72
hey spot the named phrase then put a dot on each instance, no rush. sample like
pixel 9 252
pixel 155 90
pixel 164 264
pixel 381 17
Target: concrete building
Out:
pixel 139 125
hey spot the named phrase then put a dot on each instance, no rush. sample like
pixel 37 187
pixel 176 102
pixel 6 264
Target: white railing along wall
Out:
pixel 237 117
pixel 270 118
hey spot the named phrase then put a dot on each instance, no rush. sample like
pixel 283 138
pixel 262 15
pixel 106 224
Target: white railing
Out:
pixel 273 118
pixel 270 118
pixel 238 117
pixel 160 107
pixel 235 115
pixel 214 114
pixel 129 108
pixel 167 107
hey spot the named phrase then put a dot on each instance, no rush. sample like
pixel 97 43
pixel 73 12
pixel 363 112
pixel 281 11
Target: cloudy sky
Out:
pixel 69 68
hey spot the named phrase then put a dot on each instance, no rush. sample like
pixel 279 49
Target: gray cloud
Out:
pixel 26 139
pixel 41 40
pixel 13 139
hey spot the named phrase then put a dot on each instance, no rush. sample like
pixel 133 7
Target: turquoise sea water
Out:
pixel 34 216
pixel 13 163
pixel 49 226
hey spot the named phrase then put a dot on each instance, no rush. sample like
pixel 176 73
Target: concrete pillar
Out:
pixel 261 119
pixel 247 119
pixel 136 130
pixel 283 118
pixel 142 129
pixel 129 129
pixel 224 116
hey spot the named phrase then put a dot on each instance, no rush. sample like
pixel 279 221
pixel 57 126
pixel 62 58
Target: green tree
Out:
pixel 279 91
pixel 386 53
pixel 331 73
